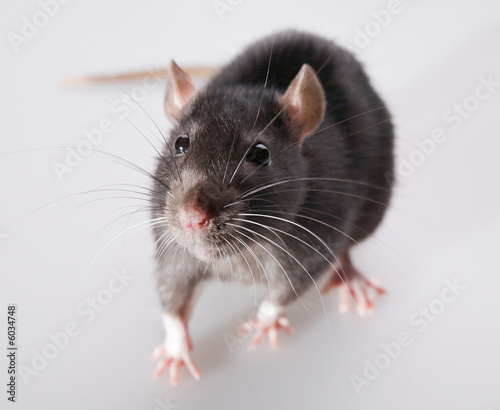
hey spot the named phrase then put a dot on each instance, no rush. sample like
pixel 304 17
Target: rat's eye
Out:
pixel 181 144
pixel 259 154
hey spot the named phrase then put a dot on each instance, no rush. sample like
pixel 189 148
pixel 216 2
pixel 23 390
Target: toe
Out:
pixel 273 337
pixel 361 299
pixel 345 298
pixel 374 285
pixel 259 334
pixel 285 324
pixel 160 368
pixel 191 367
pixel 157 353
pixel 244 329
pixel 174 372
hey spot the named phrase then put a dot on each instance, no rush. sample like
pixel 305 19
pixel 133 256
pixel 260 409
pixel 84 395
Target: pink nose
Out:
pixel 192 217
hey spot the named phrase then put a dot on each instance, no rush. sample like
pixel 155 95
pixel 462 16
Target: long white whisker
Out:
pixel 346 119
pixel 270 185
pixel 299 263
pixel 130 122
pixel 325 224
pixel 253 142
pixel 276 260
pixel 146 223
pixel 372 235
pixel 262 270
pixel 340 274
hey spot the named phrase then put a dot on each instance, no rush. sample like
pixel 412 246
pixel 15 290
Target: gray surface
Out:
pixel 443 224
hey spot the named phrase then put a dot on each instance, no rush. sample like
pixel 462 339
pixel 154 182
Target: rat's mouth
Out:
pixel 203 252
pixel 206 252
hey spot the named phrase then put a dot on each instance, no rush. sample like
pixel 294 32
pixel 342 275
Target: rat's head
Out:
pixel 233 154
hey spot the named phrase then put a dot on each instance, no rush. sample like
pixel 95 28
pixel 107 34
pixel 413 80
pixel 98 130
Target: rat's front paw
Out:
pixel 172 356
pixel 174 352
pixel 353 286
pixel 270 317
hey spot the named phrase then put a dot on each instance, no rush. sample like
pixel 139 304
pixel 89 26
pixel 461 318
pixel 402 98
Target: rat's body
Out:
pixel 272 172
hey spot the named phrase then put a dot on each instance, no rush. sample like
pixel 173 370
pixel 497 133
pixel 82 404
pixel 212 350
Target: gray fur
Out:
pixel 354 143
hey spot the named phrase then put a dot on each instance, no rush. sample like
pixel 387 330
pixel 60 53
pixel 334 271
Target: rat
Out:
pixel 270 173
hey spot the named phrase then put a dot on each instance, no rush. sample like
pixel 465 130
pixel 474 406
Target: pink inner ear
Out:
pixel 183 85
pixel 180 90
pixel 305 101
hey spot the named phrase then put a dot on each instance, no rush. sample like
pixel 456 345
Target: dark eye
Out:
pixel 259 154
pixel 181 144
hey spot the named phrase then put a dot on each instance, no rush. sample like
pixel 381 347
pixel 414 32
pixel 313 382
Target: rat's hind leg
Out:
pixel 175 350
pixel 352 286
pixel 268 320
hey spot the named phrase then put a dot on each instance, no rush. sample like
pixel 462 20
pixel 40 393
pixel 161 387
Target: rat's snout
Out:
pixel 196 210
pixel 198 218
pixel 193 217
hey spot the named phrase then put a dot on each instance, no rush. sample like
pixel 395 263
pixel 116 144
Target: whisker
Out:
pixel 259 263
pixel 164 241
pixel 147 224
pixel 364 129
pixel 372 235
pixel 298 262
pixel 341 274
pixel 230 152
pixel 327 225
pixel 276 260
pixel 331 191
pixel 253 142
pixel 143 209
pixel 298 142
pixel 128 120
pixel 98 154
pixel 234 254
pixel 272 184
pixel 347 119
pixel 96 200
pixel 194 271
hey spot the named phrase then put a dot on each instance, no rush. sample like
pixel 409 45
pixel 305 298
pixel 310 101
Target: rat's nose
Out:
pixel 193 217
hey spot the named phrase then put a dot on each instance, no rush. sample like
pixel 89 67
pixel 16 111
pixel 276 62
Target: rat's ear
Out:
pixel 180 91
pixel 305 101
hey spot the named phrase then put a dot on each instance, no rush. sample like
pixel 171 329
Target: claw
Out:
pixel 353 286
pixel 268 321
pixel 174 352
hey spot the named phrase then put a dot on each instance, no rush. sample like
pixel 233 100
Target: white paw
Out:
pixel 353 286
pixel 361 292
pixel 269 319
pixel 174 352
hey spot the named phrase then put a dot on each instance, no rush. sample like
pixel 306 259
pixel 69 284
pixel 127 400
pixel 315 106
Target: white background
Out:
pixel 443 223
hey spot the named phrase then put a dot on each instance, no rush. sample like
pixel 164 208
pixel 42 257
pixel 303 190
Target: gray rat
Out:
pixel 272 171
